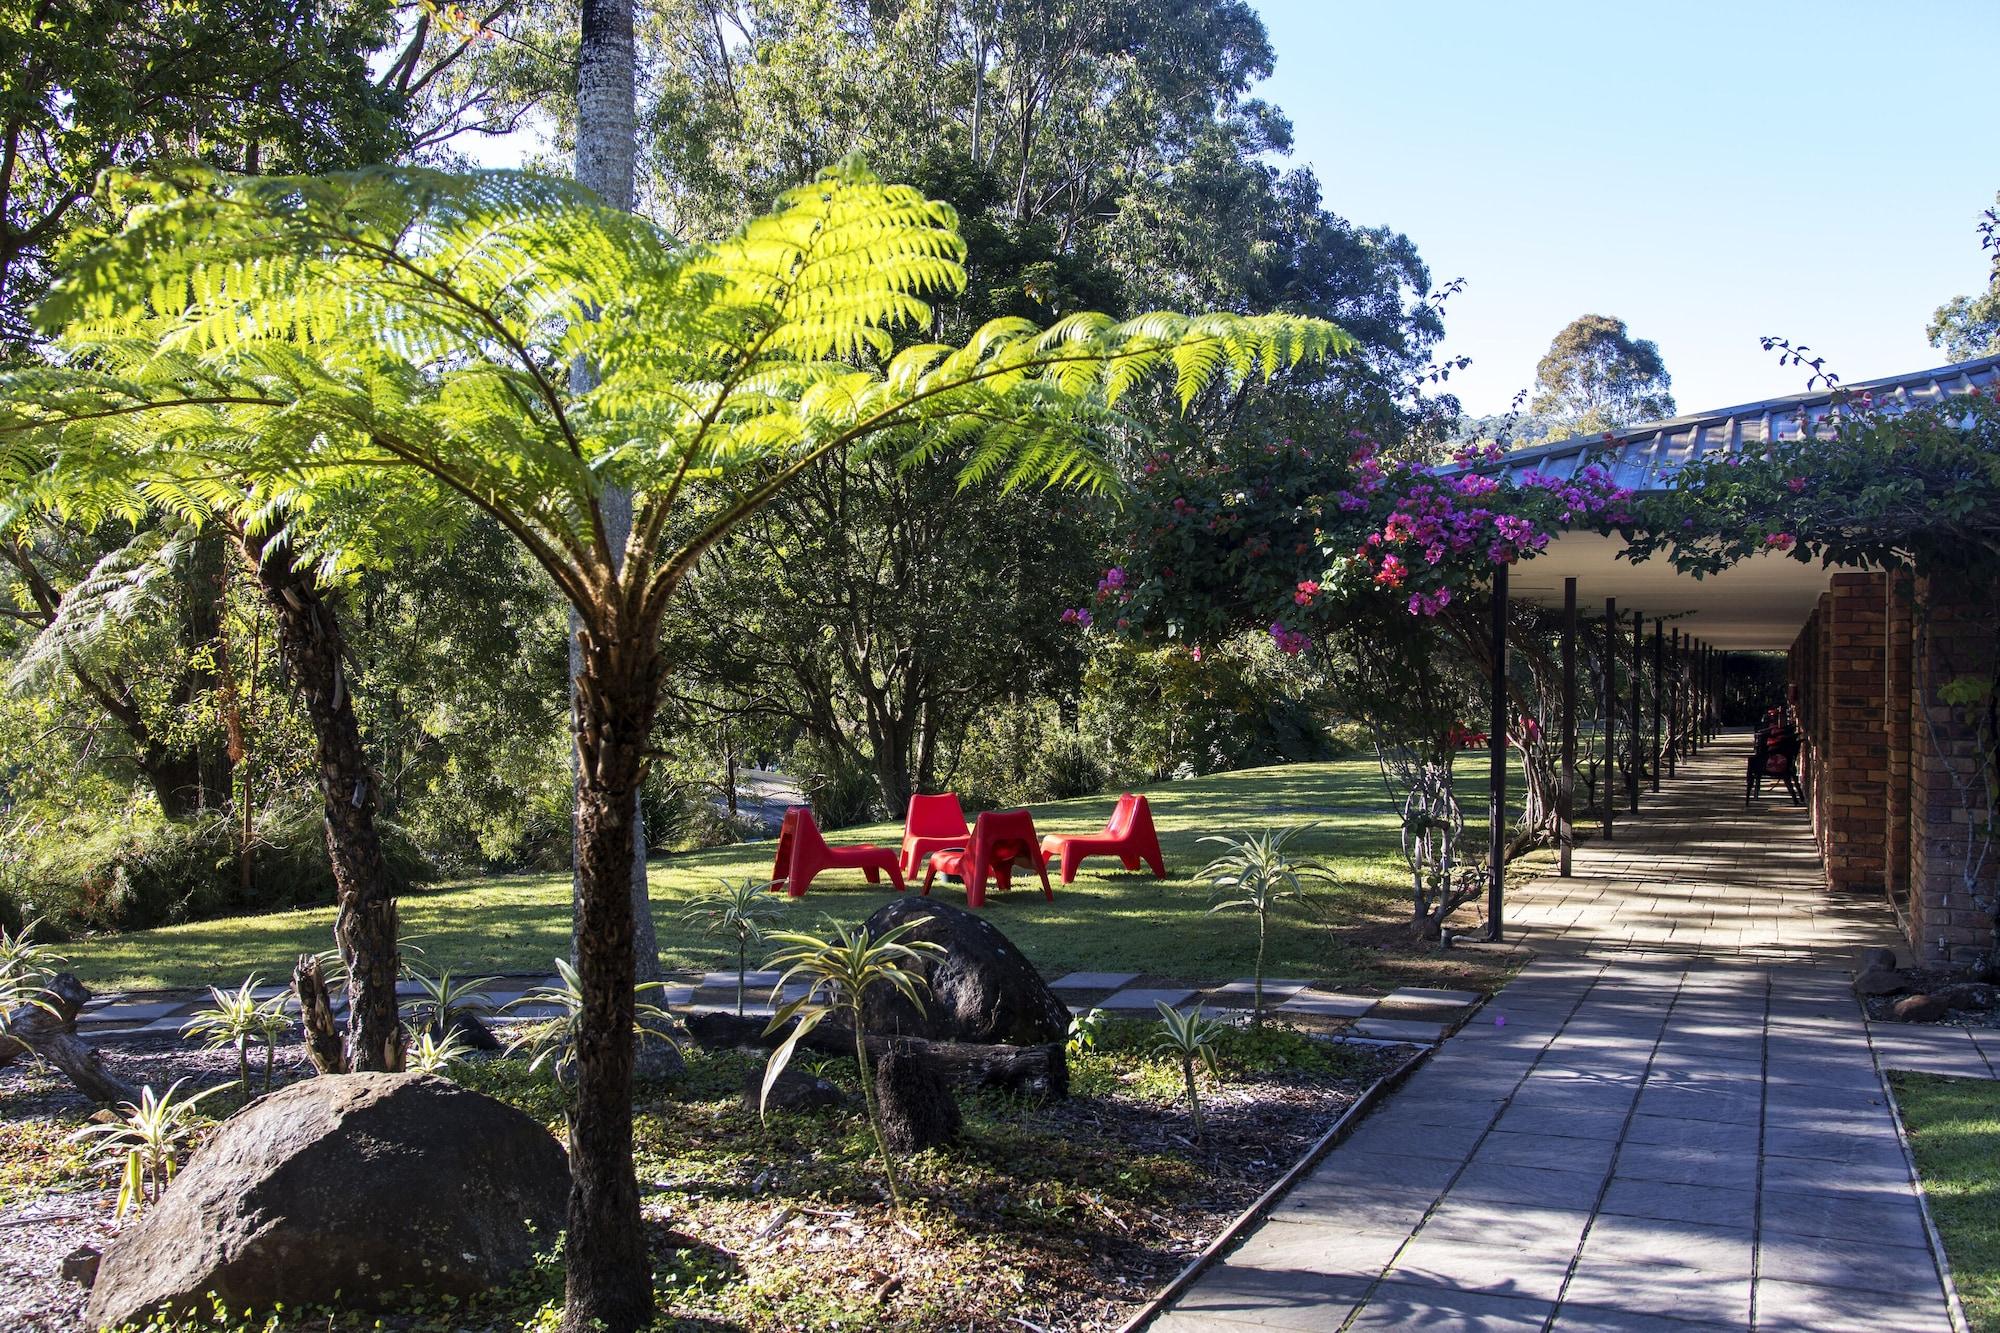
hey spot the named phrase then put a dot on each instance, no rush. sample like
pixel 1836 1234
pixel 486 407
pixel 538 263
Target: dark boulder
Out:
pixel 1880 981
pixel 1877 959
pixel 795 1090
pixel 981 990
pixel 356 1190
pixel 918 1110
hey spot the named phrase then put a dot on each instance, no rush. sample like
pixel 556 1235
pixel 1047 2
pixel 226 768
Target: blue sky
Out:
pixel 1706 172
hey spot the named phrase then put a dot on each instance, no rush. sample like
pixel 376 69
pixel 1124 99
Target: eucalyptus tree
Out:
pixel 397 330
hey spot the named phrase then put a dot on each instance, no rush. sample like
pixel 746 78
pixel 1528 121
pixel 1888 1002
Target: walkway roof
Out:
pixel 1758 603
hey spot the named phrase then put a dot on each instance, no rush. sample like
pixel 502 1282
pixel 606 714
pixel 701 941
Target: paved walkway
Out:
pixel 1673 1119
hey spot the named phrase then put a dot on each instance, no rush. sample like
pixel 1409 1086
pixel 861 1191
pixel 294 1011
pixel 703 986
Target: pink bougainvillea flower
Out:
pixel 1783 541
pixel 1795 484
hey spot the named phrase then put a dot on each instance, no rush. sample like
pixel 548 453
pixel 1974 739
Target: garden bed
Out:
pixel 1062 1216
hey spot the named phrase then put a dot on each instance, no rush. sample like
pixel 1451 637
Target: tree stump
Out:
pixel 50 1034
pixel 915 1101
pixel 323 1044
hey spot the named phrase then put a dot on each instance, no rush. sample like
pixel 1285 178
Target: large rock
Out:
pixel 1880 981
pixel 350 1189
pixel 982 990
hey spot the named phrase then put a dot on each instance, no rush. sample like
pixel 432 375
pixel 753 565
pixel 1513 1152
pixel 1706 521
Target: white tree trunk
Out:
pixel 606 154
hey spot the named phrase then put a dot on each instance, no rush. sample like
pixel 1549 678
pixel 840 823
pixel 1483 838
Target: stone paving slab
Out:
pixel 1328 1003
pixel 1094 981
pixel 1674 1119
pixel 1147 997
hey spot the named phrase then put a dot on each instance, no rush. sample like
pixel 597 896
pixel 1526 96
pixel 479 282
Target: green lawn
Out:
pixel 1108 919
pixel 1954 1128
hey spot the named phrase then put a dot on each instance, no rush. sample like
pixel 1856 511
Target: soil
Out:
pixel 1064 1216
pixel 1925 981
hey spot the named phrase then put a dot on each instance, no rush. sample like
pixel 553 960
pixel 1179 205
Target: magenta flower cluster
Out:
pixel 1078 616
pixel 1439 531
pixel 1290 642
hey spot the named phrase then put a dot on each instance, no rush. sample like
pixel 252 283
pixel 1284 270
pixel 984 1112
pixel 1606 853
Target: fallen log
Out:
pixel 1034 1071
pixel 50 1035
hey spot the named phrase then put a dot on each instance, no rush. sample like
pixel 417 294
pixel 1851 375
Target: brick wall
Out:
pixel 1951 863
pixel 1896 735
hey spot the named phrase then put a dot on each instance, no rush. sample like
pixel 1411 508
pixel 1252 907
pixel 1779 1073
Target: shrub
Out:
pixel 126 871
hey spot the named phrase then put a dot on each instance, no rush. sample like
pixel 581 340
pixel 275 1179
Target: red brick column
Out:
pixel 1953 864
pixel 1851 788
pixel 1896 735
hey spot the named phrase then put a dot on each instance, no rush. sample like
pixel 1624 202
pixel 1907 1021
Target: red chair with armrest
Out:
pixel 803 852
pixel 933 824
pixel 1001 841
pixel 1129 836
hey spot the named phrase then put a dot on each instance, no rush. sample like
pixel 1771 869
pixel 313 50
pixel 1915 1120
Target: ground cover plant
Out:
pixel 1065 1214
pixel 1346 933
pixel 1954 1128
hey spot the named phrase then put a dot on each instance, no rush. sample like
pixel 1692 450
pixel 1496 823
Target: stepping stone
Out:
pixel 1419 995
pixel 1094 981
pixel 139 1013
pixel 1142 997
pixel 1328 1004
pixel 727 980
pixel 1398 1029
pixel 1273 990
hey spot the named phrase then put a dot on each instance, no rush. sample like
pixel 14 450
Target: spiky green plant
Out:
pixel 1258 874
pixel 1190 1039
pixel 148 1136
pixel 26 968
pixel 428 1055
pixel 407 335
pixel 736 911
pixel 445 999
pixel 838 969
pixel 238 1018
pixel 552 1040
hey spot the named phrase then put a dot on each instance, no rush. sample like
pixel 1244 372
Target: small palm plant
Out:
pixel 737 912
pixel 149 1136
pixel 1189 1037
pixel 428 1055
pixel 238 1018
pixel 1257 874
pixel 25 970
pixel 445 999
pixel 552 1041
pixel 838 970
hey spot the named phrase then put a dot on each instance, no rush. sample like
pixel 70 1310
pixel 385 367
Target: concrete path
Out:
pixel 1672 1120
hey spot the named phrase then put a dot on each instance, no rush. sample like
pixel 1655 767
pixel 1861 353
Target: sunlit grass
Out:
pixel 1954 1128
pixel 1108 919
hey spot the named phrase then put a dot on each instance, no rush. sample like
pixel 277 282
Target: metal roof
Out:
pixel 1638 456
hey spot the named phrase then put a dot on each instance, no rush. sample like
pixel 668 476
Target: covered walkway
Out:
pixel 1672 1120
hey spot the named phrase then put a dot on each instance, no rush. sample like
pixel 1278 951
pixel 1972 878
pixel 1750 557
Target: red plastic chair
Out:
pixel 932 824
pixel 1129 836
pixel 1000 842
pixel 803 852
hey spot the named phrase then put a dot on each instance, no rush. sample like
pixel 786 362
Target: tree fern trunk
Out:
pixel 606 151
pixel 609 1278
pixel 364 927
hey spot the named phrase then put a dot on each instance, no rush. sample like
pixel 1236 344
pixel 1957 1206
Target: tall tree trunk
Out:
pixel 607 129
pixel 609 1279
pixel 614 688
pixel 364 929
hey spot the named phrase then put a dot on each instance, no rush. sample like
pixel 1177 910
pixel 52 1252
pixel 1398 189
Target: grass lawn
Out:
pixel 1108 919
pixel 1954 1128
